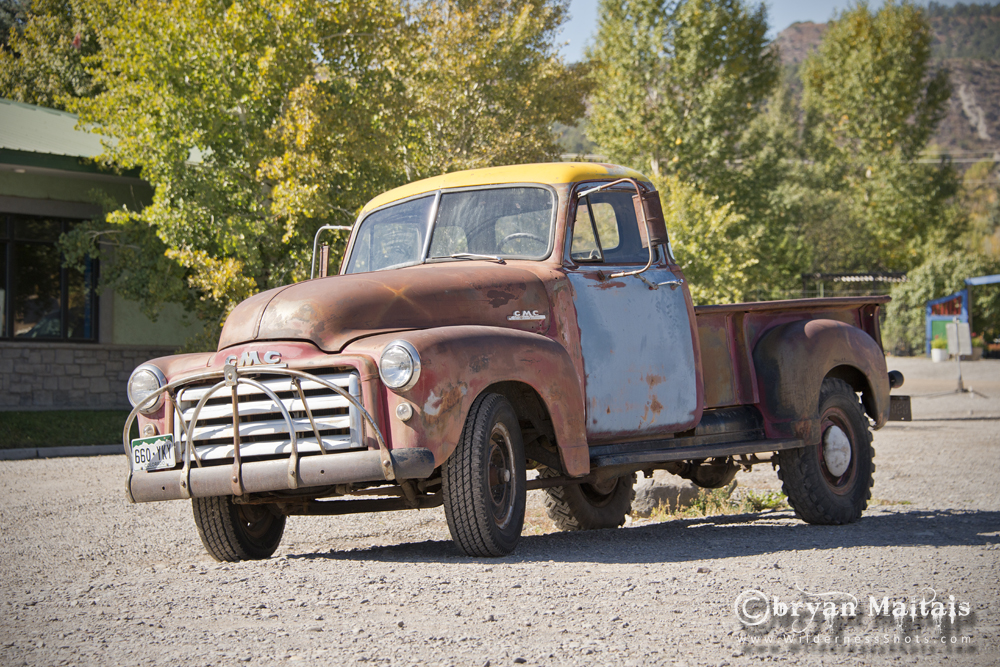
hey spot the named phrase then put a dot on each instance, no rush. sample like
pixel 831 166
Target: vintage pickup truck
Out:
pixel 492 321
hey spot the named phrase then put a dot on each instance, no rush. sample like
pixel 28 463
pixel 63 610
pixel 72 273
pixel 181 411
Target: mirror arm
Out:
pixel 645 221
pixel 312 270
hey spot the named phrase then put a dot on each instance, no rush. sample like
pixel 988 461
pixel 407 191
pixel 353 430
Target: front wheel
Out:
pixel 830 483
pixel 232 532
pixel 483 482
pixel 590 506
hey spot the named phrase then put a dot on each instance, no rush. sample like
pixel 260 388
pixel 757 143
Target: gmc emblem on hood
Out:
pixel 251 358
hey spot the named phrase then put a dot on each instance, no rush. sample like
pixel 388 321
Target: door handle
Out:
pixel 672 284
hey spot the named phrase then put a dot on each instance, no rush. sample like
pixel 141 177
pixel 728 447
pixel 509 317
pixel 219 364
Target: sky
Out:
pixel 781 13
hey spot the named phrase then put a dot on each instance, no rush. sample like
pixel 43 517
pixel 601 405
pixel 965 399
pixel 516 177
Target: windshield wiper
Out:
pixel 472 255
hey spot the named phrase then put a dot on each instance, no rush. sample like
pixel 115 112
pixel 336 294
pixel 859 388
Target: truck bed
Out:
pixel 728 333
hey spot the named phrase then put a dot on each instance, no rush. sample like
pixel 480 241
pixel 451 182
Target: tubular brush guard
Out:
pixel 260 476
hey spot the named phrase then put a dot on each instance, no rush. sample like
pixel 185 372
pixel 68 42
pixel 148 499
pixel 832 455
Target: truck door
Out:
pixel 639 344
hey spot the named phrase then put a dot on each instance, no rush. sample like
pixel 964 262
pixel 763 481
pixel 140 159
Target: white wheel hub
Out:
pixel 836 451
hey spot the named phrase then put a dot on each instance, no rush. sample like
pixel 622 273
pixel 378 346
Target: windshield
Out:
pixel 487 223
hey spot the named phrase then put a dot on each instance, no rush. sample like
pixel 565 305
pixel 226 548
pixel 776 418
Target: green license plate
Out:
pixel 154 453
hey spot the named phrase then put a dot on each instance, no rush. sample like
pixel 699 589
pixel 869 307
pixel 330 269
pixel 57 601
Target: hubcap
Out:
pixel 836 451
pixel 501 477
pixel 256 520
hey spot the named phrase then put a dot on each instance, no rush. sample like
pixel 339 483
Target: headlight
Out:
pixel 399 365
pixel 144 381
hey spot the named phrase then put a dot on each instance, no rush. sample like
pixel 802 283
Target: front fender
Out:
pixel 792 360
pixel 458 363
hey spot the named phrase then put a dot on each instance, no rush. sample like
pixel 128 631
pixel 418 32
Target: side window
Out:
pixel 585 248
pixel 617 240
pixel 607 225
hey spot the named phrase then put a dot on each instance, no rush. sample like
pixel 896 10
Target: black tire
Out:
pixel 232 532
pixel 483 481
pixel 587 506
pixel 815 493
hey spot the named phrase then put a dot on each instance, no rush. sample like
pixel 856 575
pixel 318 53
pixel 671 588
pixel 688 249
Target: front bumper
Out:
pixel 264 476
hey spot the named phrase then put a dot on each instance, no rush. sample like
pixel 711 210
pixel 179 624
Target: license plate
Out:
pixel 899 409
pixel 153 453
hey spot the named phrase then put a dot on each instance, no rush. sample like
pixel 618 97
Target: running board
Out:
pixel 665 455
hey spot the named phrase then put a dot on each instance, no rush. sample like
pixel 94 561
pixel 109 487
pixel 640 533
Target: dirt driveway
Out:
pixel 86 578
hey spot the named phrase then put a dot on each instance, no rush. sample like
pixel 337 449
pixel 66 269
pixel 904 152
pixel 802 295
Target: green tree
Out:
pixel 43 61
pixel 708 239
pixel 677 83
pixel 870 88
pixel 689 89
pixel 872 100
pixel 487 84
pixel 255 122
pixel 981 199
pixel 13 16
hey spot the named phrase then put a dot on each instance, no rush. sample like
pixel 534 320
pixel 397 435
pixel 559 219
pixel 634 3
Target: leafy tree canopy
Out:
pixel 43 58
pixel 676 83
pixel 13 15
pixel 259 120
pixel 870 87
pixel 255 122
pixel 718 260
pixel 487 84
pixel 872 100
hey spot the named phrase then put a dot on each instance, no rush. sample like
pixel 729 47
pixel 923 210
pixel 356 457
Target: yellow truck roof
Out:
pixel 552 173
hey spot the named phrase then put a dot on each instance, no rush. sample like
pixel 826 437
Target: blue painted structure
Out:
pixel 983 280
pixel 965 306
pixel 931 318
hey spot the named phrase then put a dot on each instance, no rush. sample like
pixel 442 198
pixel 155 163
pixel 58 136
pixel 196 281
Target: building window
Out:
pixel 41 299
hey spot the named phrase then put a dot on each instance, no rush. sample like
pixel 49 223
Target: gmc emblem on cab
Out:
pixel 524 315
pixel 250 358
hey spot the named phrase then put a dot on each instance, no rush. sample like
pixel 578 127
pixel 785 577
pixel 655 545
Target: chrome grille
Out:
pixel 263 430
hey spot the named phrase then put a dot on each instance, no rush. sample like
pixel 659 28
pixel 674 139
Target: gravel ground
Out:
pixel 89 579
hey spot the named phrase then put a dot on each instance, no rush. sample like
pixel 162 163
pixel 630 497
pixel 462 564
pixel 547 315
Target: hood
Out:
pixel 333 311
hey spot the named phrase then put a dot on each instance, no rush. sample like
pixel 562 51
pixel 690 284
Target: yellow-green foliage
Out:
pixel 487 84
pixel 258 121
pixel 872 100
pixel 710 241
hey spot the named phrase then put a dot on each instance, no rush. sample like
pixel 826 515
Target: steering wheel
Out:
pixel 397 252
pixel 523 235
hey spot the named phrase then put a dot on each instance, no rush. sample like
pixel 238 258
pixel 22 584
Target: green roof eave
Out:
pixel 60 162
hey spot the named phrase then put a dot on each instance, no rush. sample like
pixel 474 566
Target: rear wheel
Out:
pixel 590 506
pixel 232 532
pixel 830 483
pixel 483 481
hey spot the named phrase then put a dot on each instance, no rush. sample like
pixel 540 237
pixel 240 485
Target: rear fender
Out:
pixel 459 363
pixel 793 359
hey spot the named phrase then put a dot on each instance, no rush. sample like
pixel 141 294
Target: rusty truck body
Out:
pixel 488 322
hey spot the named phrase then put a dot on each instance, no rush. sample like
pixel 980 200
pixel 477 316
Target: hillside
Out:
pixel 967 42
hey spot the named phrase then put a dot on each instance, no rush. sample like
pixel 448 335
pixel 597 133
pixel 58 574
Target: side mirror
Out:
pixel 649 216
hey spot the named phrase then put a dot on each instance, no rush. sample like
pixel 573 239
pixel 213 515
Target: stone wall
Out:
pixel 61 376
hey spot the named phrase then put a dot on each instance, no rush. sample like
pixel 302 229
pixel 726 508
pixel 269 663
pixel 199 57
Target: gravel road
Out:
pixel 89 579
